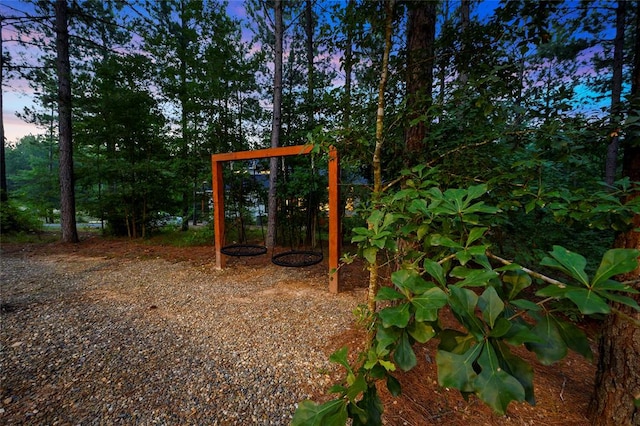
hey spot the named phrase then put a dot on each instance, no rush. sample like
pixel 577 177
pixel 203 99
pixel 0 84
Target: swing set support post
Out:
pixel 334 200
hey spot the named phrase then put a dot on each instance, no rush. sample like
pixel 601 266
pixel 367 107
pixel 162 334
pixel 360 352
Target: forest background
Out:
pixel 529 107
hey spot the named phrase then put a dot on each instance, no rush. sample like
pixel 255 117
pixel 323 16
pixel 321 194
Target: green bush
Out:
pixel 15 219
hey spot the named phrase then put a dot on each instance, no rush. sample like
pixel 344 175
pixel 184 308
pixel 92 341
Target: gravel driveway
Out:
pixel 96 340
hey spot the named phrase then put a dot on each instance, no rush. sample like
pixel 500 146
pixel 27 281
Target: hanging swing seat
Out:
pixel 297 258
pixel 240 250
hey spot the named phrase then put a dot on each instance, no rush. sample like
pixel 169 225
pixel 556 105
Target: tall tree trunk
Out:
pixel 312 208
pixel 616 400
pixel 63 67
pixel 376 162
pixel 465 18
pixel 4 194
pixel 276 124
pixel 348 64
pixel 308 26
pixel 184 98
pixel 616 91
pixel 420 39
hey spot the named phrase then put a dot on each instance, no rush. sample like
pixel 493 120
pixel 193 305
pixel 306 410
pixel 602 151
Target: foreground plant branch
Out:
pixel 528 271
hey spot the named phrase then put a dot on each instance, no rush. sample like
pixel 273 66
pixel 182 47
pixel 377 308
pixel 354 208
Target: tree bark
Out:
pixel 4 194
pixel 308 27
pixel 617 388
pixel 184 122
pixel 420 39
pixel 276 124
pixel 67 181
pixel 348 64
pixel 611 164
pixel 465 19
pixel 377 164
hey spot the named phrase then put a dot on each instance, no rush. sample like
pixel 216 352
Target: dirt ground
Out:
pixel 562 391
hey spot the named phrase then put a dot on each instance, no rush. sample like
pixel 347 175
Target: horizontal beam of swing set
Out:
pixel 286 151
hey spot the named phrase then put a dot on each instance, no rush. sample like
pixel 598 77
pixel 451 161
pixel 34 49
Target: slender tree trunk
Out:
pixel 611 164
pixel 420 38
pixel 4 193
pixel 310 71
pixel 616 399
pixel 312 204
pixel 442 75
pixel 63 66
pixel 184 122
pixel 276 124
pixel 377 165
pixel 348 65
pixel 465 18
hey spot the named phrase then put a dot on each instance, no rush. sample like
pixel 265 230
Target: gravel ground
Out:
pixel 98 341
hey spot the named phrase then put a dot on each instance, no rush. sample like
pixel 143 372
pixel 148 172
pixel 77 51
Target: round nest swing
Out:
pixel 297 258
pixel 240 250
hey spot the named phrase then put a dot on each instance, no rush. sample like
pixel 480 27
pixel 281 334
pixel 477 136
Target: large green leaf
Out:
pixel 521 332
pixel 501 328
pixel 479 207
pixel 474 235
pixel 373 408
pixel 411 280
pixel 518 368
pixel 421 331
pixel 387 293
pixel 463 303
pixel 620 299
pixel 404 355
pixel 476 191
pixel 436 271
pixel 463 300
pixel 440 240
pixel 472 277
pixel 409 194
pixel 340 357
pixel 331 413
pixel 588 301
pixel 555 291
pixel 491 305
pixel 615 262
pixel 428 303
pixel 370 254
pixel 455 341
pixel 385 338
pixel 526 304
pixel 358 386
pixel 575 338
pixel 393 385
pixel 568 262
pixel 397 316
pixel 418 205
pixel 611 285
pixel 463 256
pixel 516 280
pixel 374 220
pixel 495 386
pixel 551 347
pixel 456 370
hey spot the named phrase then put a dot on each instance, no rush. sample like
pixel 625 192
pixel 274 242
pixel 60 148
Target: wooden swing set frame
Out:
pixel 334 200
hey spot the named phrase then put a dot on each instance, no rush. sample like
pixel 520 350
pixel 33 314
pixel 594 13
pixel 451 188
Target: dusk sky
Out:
pixel 17 94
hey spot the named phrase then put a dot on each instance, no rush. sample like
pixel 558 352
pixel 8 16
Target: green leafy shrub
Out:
pixel 440 242
pixel 14 219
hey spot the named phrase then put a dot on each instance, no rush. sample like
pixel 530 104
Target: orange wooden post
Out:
pixel 218 210
pixel 335 238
